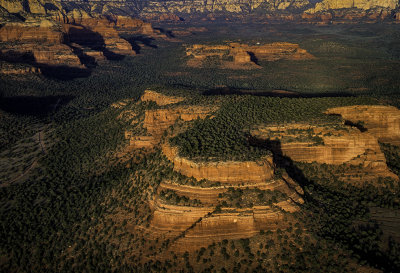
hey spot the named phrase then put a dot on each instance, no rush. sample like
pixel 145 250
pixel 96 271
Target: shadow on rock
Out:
pixel 59 72
pixel 135 42
pixel 87 38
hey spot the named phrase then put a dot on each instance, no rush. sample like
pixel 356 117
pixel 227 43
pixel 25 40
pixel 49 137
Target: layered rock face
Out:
pixel 62 37
pixel 243 56
pixel 308 143
pixel 157 121
pixel 197 222
pixel 327 5
pixel 354 143
pixel 34 43
pixel 206 201
pixel 232 172
pixel 288 10
pixel 45 32
pixel 231 6
pixel 98 34
pixel 159 98
pixel 326 145
pixel 383 122
pixel 192 227
pixel 75 11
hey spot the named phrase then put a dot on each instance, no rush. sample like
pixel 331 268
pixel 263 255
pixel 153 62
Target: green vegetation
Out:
pixel 83 209
pixel 226 135
pixel 170 197
pixel 392 154
pixel 247 198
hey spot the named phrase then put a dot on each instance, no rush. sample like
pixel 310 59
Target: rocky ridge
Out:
pixel 175 10
pixel 383 122
pixel 327 144
pixel 244 56
pixel 214 200
pixel 76 42
pixel 201 219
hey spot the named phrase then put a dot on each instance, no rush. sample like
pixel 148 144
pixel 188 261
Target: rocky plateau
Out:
pixel 59 37
pixel 244 56
pixel 205 217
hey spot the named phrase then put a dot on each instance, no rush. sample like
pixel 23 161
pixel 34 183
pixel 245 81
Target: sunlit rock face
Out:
pixel 233 172
pixel 327 5
pixel 176 10
pixel 244 56
pixel 231 6
pixel 383 122
pixel 20 40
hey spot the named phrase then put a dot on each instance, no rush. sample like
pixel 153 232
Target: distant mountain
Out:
pixel 175 9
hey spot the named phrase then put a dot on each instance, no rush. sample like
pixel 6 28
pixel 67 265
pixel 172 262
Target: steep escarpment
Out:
pixel 98 34
pixel 157 121
pixel 326 10
pixel 327 5
pixel 201 199
pixel 329 144
pixel 159 98
pixel 74 41
pixel 175 10
pixel 40 43
pixel 212 218
pixel 205 201
pixel 232 172
pixel 244 56
pixel 383 122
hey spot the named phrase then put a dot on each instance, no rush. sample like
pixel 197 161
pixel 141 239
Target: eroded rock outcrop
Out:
pixel 100 34
pixel 157 121
pixel 383 122
pixel 329 144
pixel 176 10
pixel 225 6
pixel 193 227
pixel 44 31
pixel 243 56
pixel 231 172
pixel 20 44
pixel 327 5
pixel 159 98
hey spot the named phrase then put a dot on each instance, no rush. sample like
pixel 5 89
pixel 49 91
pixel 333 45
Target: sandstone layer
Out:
pixel 74 41
pixel 383 122
pixel 330 144
pixel 195 227
pixel 159 98
pixel 157 121
pixel 231 172
pixel 195 214
pixel 20 43
pixel 177 10
pixel 327 5
pixel 243 56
